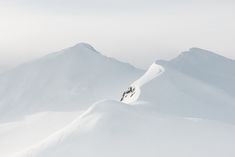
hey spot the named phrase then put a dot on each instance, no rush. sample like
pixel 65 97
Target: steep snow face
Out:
pixel 111 128
pixel 133 92
pixel 197 84
pixel 67 80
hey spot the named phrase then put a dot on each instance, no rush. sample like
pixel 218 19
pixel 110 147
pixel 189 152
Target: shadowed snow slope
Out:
pixel 209 67
pixel 198 83
pixel 114 129
pixel 65 80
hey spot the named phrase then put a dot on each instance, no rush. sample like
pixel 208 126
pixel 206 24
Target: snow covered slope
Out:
pixel 19 135
pixel 183 108
pixel 114 129
pixel 198 83
pixel 63 81
pixel 208 67
pixel 41 97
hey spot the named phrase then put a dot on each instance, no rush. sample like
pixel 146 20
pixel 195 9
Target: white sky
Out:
pixel 136 31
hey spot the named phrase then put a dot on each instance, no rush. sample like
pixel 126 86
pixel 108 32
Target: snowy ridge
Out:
pixel 154 71
pixel 20 135
pixel 130 96
pixel 198 83
pixel 101 131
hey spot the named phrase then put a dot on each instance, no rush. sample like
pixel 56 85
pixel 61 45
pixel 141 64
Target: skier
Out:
pixel 129 90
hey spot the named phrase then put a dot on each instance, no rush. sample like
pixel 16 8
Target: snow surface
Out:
pixel 19 135
pixel 110 128
pixel 46 106
pixel 208 67
pixel 198 83
pixel 67 80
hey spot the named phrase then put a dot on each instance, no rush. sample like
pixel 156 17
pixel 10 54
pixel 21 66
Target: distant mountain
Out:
pixel 197 83
pixel 66 80
pixel 208 67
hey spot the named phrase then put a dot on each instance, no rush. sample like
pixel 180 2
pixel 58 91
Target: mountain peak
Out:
pixel 198 53
pixel 195 49
pixel 84 45
pixel 83 48
pixel 79 50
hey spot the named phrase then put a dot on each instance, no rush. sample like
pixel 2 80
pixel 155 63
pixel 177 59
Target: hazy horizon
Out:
pixel 137 32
